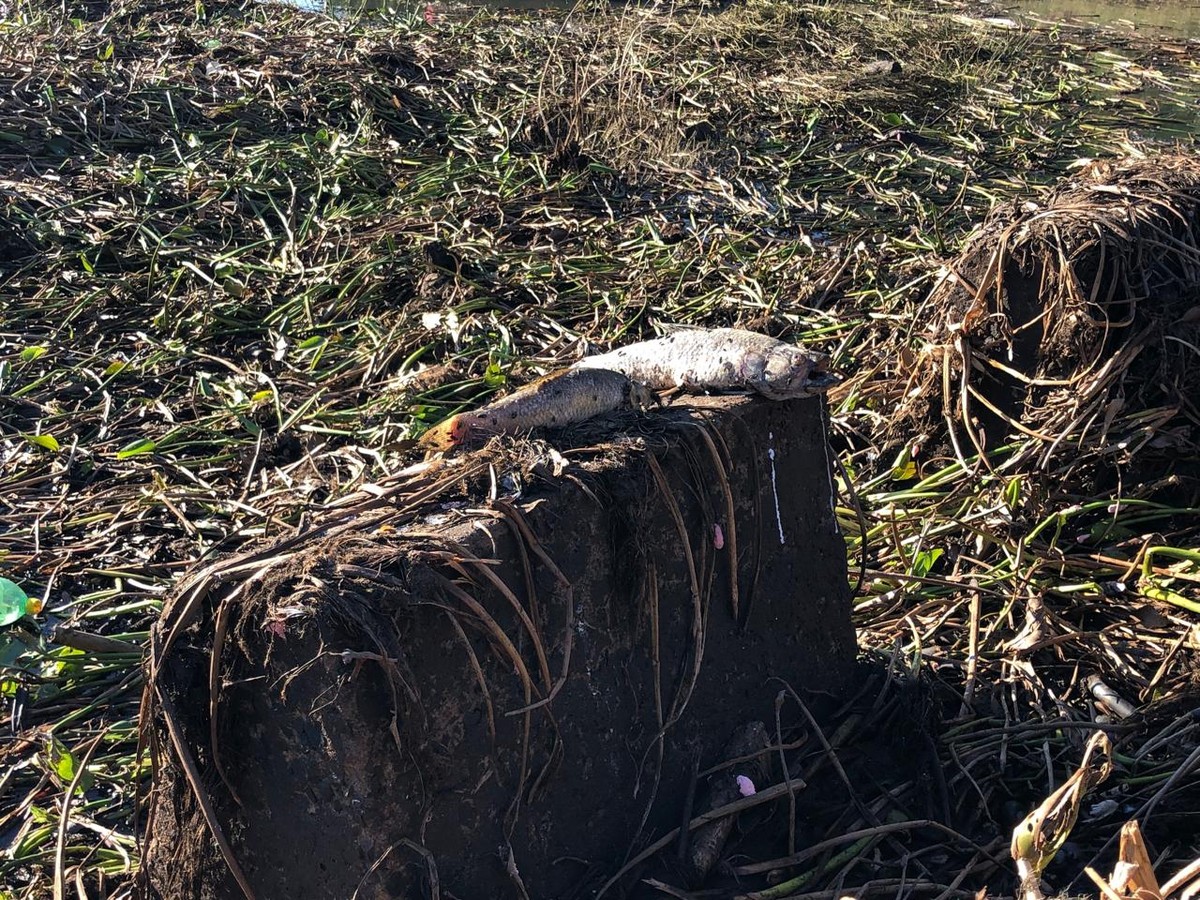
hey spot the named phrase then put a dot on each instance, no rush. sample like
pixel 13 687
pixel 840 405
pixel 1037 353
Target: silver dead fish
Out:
pixel 721 359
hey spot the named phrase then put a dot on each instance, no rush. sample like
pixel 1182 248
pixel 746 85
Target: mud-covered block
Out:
pixel 506 696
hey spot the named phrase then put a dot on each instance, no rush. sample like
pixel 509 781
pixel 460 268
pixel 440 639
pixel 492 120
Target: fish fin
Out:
pixel 676 327
pixel 540 381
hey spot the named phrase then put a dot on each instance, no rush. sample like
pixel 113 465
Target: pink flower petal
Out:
pixel 718 537
pixel 746 786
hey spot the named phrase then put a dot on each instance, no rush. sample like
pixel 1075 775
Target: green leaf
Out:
pixel 262 396
pixel 137 448
pixel 39 815
pixel 115 367
pixel 45 441
pixel 63 662
pixel 65 764
pixel 904 468
pixel 34 842
pixel 233 287
pixel 29 354
pixel 494 376
pixel 925 560
pixel 1012 493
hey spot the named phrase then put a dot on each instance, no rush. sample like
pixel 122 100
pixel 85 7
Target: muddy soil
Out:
pixel 509 699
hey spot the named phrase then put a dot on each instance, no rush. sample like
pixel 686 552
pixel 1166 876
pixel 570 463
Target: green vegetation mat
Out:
pixel 248 255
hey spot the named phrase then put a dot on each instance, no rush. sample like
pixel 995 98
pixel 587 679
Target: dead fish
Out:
pixel 721 359
pixel 572 395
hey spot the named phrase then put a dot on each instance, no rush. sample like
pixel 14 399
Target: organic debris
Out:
pixel 249 254
pixel 1072 326
pixel 1044 831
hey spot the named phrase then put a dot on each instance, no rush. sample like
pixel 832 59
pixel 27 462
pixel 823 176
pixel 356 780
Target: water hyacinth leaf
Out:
pixel 65 765
pixel 924 561
pixel 64 661
pixel 137 447
pixel 233 287
pixel 1037 839
pixel 45 441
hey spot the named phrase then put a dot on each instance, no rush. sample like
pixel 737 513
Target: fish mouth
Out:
pixel 820 382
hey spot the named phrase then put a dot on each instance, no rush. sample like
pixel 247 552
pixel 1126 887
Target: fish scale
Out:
pixel 720 359
pixel 561 398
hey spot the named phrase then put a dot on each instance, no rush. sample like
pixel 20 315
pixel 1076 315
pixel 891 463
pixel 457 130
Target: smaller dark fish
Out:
pixel 572 395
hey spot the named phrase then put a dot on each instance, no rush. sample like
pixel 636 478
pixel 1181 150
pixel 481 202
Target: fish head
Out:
pixel 794 372
pixel 461 429
pixel 641 398
pixel 453 433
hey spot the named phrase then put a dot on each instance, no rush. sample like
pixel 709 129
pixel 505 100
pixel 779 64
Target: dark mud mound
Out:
pixel 1070 327
pixel 434 694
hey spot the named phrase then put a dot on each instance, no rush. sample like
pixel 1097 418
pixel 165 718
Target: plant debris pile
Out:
pixel 1071 325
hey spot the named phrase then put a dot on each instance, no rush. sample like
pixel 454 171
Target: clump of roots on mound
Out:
pixel 1070 328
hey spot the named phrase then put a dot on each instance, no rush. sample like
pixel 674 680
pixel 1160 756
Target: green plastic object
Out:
pixel 15 603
